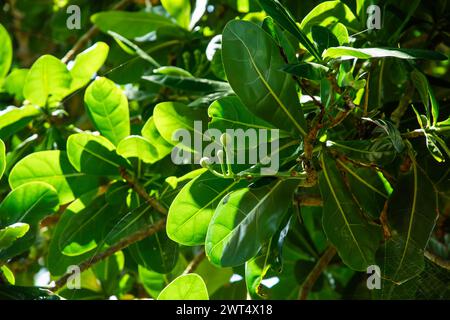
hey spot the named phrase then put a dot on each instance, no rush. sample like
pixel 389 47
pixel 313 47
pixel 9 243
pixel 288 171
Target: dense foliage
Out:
pixel 88 153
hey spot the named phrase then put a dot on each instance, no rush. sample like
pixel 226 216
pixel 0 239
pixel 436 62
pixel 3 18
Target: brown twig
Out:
pixel 315 273
pixel 155 204
pixel 195 262
pixel 140 235
pixel 90 34
pixel 437 260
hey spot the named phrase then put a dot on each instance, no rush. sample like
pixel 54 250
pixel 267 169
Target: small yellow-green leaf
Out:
pixel 185 287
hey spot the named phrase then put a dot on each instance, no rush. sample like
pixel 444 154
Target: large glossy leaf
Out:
pixel 94 155
pixel 180 10
pixel 252 63
pixel 47 82
pixel 367 188
pixel 157 253
pixel 151 133
pixel 13 119
pixel 192 209
pixel 185 287
pixel 355 239
pixel 368 53
pixel 411 217
pixel 87 63
pixel 2 158
pixel 244 220
pixel 188 83
pixel 130 24
pixel 108 109
pixel 170 117
pixel 84 230
pixel 54 168
pixel 6 52
pixel 230 113
pixel 57 262
pixel 279 13
pixel 11 233
pixel 29 203
pixel 138 147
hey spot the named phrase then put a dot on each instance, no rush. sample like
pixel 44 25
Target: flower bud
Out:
pixel 205 162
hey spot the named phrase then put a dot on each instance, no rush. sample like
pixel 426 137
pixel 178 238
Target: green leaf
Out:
pixel 252 63
pixel 47 82
pixel 323 38
pixel 56 261
pixel 192 209
pixel 52 167
pixel 433 148
pixel 13 119
pixel 26 293
pixel 108 109
pixel 8 275
pixel 180 10
pixel 285 40
pixel 340 32
pixel 367 188
pixel 355 239
pixel 244 220
pixel 185 287
pixel 2 158
pixel 29 203
pixel 368 53
pixel 189 84
pixel 230 113
pixel 327 13
pixel 411 216
pixel 367 151
pixel 151 133
pixel 94 155
pixel 6 53
pixel 392 133
pixel 157 253
pixel 138 147
pixel 130 24
pixel 214 277
pixel 170 117
pixel 11 233
pixel 155 282
pixel 426 94
pixel 308 70
pixel 84 228
pixel 15 82
pixel 280 14
pixel 87 63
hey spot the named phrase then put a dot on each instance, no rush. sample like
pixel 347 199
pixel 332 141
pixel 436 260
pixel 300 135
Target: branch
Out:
pixel 155 204
pixel 89 34
pixel 437 260
pixel 315 273
pixel 133 238
pixel 195 262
